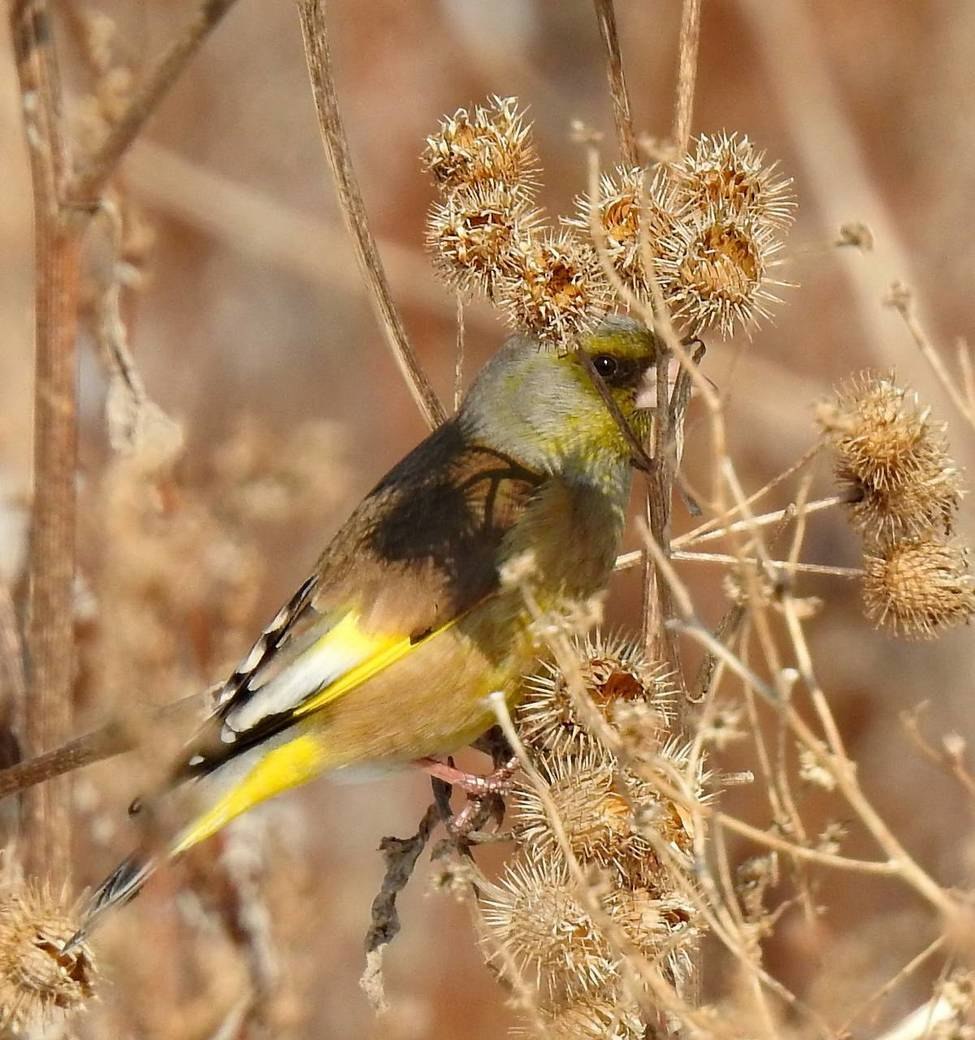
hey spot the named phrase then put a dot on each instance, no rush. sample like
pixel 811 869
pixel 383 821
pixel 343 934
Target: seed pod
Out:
pixel 39 983
pixel 475 235
pixel 633 215
pixel 491 145
pixel 919 587
pixel 534 914
pixel 714 270
pixel 726 171
pixel 557 289
pixel 615 671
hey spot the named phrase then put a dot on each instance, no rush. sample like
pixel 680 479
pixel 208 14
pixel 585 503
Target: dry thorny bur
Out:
pixel 905 491
pixel 574 946
pixel 38 982
pixel 707 229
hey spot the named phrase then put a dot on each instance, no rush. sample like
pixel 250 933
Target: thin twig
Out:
pixel 912 965
pixel 690 34
pixel 949 757
pixel 400 855
pixel 459 357
pixel 806 568
pixel 606 17
pixel 112 739
pixel 315 35
pixel 89 182
pixel 763 520
pixel 901 299
pixel 883 868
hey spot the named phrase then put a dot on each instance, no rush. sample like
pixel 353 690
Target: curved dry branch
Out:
pixel 314 31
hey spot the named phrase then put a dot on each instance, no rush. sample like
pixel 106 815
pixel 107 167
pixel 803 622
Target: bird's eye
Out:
pixel 606 365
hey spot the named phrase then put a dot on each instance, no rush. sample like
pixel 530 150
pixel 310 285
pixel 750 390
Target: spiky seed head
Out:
pixel 475 233
pixel 490 144
pixel 884 440
pixel 615 671
pixel 631 198
pixel 39 983
pixel 656 923
pixel 728 172
pixel 557 289
pixel 918 587
pixel 714 271
pixel 597 816
pixel 600 1016
pixel 909 511
pixel 534 914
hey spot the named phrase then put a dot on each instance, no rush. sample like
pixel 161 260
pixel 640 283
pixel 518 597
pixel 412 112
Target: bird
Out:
pixel 387 654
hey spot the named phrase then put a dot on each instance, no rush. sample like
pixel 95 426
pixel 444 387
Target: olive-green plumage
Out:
pixel 388 651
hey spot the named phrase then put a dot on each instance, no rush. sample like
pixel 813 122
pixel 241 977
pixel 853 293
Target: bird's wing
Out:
pixel 419 553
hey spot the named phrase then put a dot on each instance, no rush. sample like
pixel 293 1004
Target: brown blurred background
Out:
pixel 252 310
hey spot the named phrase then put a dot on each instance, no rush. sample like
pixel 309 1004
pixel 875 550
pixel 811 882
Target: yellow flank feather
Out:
pixel 290 765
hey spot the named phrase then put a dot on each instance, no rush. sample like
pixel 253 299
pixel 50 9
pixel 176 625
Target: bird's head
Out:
pixel 544 408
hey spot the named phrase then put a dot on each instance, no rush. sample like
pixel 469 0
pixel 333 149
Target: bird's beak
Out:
pixel 646 391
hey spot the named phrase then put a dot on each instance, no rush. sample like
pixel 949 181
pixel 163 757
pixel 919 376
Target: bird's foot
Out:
pixel 472 784
pixel 483 792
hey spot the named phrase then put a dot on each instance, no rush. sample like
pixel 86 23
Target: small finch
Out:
pixel 387 653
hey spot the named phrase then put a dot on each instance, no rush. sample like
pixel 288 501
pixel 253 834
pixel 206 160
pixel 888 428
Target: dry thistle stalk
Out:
pixel 919 587
pixel 38 983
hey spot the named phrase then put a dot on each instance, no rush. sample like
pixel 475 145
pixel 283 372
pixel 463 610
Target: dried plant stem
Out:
pixel 912 965
pixel 90 181
pixel 840 769
pixel 946 757
pixel 63 202
pixel 690 34
pixel 763 520
pixel 883 868
pixel 803 460
pixel 902 300
pixel 47 711
pixel 727 558
pixel 459 356
pixel 606 17
pixel 631 559
pixel 112 739
pixel 315 35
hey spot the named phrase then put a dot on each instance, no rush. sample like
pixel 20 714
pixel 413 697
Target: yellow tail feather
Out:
pixel 282 768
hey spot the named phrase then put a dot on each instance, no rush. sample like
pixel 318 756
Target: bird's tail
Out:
pixel 123 884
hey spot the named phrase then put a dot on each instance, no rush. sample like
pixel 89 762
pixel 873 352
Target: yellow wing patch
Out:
pixel 382 651
pixel 304 757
